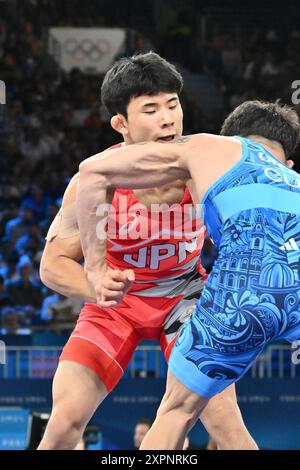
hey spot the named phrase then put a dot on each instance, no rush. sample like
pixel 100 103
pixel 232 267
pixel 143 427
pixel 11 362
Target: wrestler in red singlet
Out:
pixel 166 286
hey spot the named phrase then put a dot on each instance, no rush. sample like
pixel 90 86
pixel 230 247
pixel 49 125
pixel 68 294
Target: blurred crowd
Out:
pixel 54 119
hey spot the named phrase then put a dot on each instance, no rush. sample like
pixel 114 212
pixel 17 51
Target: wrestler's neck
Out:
pixel 272 145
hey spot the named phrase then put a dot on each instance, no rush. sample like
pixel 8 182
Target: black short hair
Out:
pixel 142 74
pixel 271 120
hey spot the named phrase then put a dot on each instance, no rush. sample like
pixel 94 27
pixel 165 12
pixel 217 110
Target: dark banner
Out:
pixel 271 409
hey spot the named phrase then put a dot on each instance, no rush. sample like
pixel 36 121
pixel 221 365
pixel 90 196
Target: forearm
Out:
pixel 67 277
pixel 144 165
pixel 93 206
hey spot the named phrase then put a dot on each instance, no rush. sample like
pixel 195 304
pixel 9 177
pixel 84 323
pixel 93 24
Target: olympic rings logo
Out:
pixel 79 49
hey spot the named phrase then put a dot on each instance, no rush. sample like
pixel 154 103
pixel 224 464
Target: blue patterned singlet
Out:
pixel 252 295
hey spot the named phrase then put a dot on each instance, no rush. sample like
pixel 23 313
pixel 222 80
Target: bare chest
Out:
pixel 170 194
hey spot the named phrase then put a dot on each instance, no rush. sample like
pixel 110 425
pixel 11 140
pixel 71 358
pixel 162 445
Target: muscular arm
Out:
pixel 143 165
pixel 60 268
pixel 202 157
pixel 136 166
pixel 61 271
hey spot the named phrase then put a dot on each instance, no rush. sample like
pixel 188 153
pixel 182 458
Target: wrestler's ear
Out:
pixel 118 123
pixel 290 163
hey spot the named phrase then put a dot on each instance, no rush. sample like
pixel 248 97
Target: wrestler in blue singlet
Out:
pixel 252 295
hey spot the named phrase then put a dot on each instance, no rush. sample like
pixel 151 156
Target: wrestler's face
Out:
pixel 157 117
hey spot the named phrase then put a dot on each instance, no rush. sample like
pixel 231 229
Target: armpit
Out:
pixel 65 224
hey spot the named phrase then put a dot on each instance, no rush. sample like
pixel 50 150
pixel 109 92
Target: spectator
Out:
pixel 11 322
pixel 17 226
pixel 31 242
pixel 60 308
pixel 141 428
pixel 4 298
pixel 25 292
